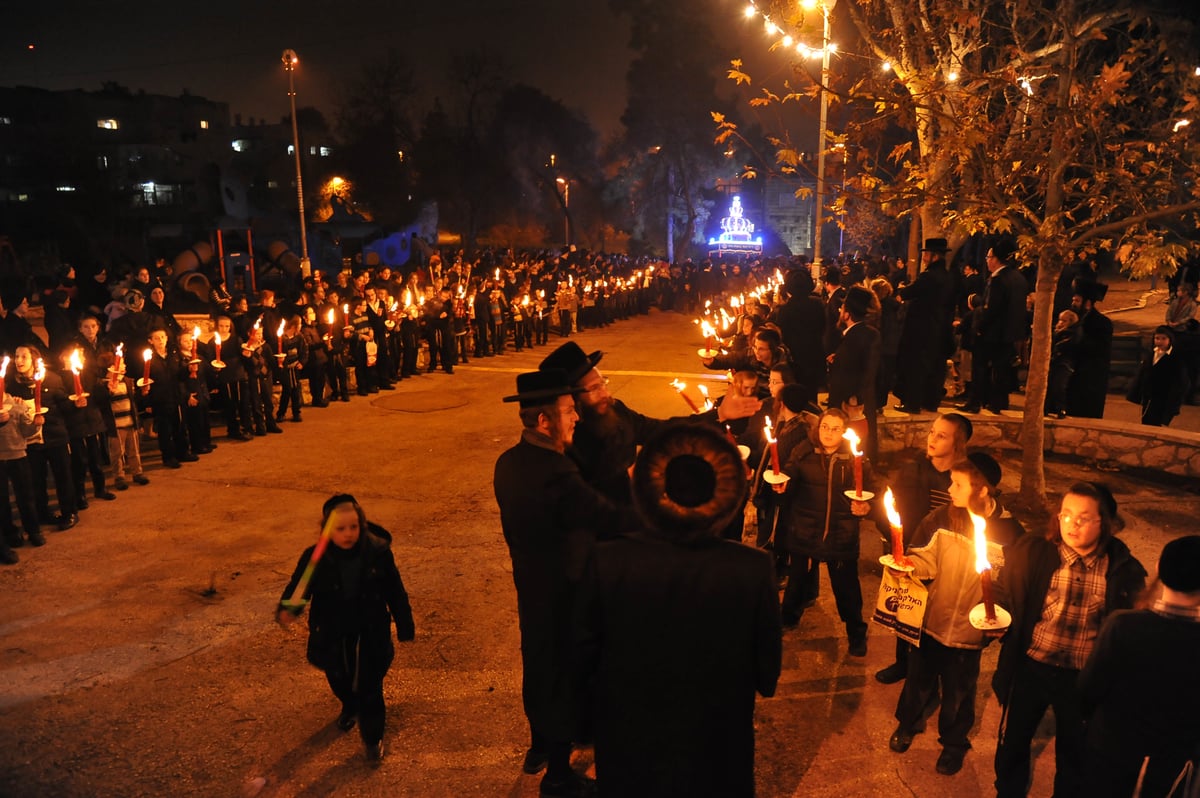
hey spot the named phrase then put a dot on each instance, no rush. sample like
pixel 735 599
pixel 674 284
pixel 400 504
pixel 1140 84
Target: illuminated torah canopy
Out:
pixel 736 234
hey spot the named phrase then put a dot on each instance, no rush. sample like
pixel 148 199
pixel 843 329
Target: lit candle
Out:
pixel 889 506
pixel 982 566
pixel 196 342
pixel 217 346
pixel 119 363
pixel 3 374
pixel 76 367
pixel 146 355
pixel 679 386
pixel 774 443
pixel 346 314
pixel 329 318
pixel 38 377
pixel 708 405
pixel 729 435
pixel 852 436
pixel 279 335
pixel 709 334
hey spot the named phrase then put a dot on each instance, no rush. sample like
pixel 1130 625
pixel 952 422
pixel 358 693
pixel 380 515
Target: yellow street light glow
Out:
pixel 832 47
pixel 750 11
pixel 952 76
pixel 1181 124
pixel 808 5
pixel 886 66
pixel 1026 84
pixel 787 41
pixel 336 182
pixel 772 28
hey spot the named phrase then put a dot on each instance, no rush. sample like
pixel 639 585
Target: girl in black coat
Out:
pixel 356 595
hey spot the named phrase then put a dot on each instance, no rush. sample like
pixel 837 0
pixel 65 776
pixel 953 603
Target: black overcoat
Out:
pixel 674 640
pixel 551 519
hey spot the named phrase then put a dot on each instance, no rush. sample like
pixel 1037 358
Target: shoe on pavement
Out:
pixel 141 479
pixel 891 674
pixel 574 786
pixel 8 556
pixel 901 740
pixel 107 495
pixel 536 760
pixel 950 761
pixel 67 521
pixel 36 538
pixel 120 484
pixel 375 752
pixel 858 647
pixel 346 719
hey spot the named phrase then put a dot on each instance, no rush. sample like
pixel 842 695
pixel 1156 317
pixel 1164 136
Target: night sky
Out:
pixel 574 51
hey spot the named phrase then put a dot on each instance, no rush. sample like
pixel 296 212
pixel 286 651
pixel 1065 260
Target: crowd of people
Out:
pixel 626 532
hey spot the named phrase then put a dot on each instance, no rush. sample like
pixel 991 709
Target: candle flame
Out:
pixel 146 355
pixel 677 385
pixel 497 274
pixel 395 306
pixel 346 310
pixel 708 404
pixel 120 351
pixel 217 338
pixel 258 323
pixel 40 374
pixel 329 317
pixel 767 431
pixel 195 337
pixel 525 300
pixel 707 330
pixel 76 361
pixel 981 558
pixel 4 366
pixel 279 332
pixel 852 436
pixel 889 507
pixel 734 302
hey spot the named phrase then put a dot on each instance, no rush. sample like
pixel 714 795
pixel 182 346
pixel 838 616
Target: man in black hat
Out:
pixel 999 324
pixel 927 337
pixel 854 366
pixel 678 629
pixel 608 434
pixel 801 321
pixel 551 519
pixel 1139 686
pixel 1088 386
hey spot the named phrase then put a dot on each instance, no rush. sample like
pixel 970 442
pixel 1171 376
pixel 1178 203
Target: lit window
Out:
pixel 272 184
pixel 22 198
pixel 312 150
pixel 101 161
pixel 108 124
pixel 204 124
pixel 240 145
pixel 5 120
pixel 64 188
pixel 325 151
pixel 291 150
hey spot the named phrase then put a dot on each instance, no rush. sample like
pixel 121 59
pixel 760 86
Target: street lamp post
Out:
pixel 290 60
pixel 826 6
pixel 566 184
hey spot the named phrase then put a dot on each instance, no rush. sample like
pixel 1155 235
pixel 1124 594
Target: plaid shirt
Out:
pixel 1073 611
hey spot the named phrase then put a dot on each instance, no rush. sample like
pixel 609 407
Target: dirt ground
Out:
pixel 139 656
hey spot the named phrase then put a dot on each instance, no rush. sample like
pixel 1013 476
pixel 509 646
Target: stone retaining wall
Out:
pixel 1157 448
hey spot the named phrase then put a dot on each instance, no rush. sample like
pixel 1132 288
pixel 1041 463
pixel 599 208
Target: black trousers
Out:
pixel 236 397
pixel 1037 687
pixel 16 473
pixel 957 670
pixel 339 377
pixel 803 583
pixel 87 459
pixel 992 373
pixel 58 460
pixel 364 700
pixel 167 426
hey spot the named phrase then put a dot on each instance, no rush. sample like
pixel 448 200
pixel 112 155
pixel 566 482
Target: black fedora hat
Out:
pixel 571 359
pixel 936 245
pixel 536 388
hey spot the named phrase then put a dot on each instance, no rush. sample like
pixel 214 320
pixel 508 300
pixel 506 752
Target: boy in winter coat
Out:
pixel 356 595
pixel 951 647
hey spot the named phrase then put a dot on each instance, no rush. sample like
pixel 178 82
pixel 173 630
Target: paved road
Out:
pixel 138 655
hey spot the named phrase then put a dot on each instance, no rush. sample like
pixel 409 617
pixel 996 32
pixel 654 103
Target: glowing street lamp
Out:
pixel 290 62
pixel 566 184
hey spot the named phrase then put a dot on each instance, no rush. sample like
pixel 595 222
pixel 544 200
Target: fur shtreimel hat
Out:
pixel 571 359
pixel 688 482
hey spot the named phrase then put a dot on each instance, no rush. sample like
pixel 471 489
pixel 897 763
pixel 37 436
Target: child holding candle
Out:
pixel 295 353
pixel 951 647
pixel 17 423
pixel 47 448
pixel 192 372
pixel 818 523
pixel 356 594
pixel 124 438
pixel 163 403
pixel 85 428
